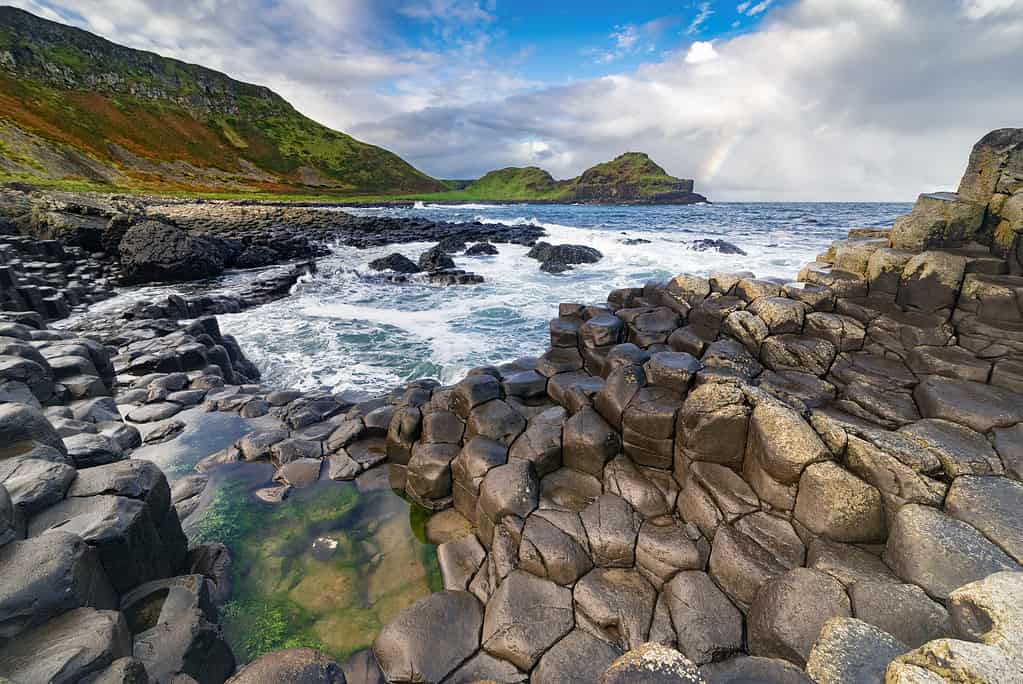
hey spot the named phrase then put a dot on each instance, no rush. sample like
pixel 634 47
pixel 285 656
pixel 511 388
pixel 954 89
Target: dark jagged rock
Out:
pixel 154 251
pixel 714 245
pixel 395 262
pixel 482 249
pixel 560 258
pixel 435 259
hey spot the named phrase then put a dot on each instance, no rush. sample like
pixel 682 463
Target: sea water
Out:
pixel 346 329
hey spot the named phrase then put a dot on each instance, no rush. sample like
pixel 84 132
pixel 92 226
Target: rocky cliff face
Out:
pixel 68 58
pixel 987 209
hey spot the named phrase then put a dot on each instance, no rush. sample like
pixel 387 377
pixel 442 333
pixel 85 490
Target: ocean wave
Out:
pixel 456 207
pixel 524 221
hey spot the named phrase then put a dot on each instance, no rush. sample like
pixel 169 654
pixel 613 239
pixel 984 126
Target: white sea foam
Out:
pixel 343 330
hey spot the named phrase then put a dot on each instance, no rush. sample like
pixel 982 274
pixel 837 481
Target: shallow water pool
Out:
pixel 326 568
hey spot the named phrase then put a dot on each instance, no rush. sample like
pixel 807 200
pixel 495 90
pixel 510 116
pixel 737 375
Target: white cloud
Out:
pixel 828 99
pixel 978 9
pixel 751 10
pixel 700 52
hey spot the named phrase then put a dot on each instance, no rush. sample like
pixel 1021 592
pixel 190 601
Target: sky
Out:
pixel 874 100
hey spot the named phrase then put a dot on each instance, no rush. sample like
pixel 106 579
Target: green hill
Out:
pixel 630 178
pixel 77 108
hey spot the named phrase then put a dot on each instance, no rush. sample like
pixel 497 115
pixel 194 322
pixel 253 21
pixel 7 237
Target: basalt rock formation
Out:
pixel 784 481
pixel 707 479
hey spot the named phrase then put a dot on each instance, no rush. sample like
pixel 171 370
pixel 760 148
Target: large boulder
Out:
pixel 754 670
pixel 789 611
pixel 993 506
pixel 616 605
pixel 708 626
pixel 46 576
pixel 995 166
pixel 398 263
pixel 548 551
pixel 849 651
pixel 991 611
pixel 951 660
pixel 558 258
pixel 66 649
pixel 902 610
pixel 525 617
pixel 430 638
pixel 156 251
pixel 652 664
pixel 484 667
pixel 939 219
pixel 580 656
pixel 121 529
pixel 295 665
pixel 21 427
pixel 939 553
pixel 836 504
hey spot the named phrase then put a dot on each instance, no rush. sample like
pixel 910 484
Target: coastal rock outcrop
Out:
pixel 833 460
pixel 156 251
pixel 560 258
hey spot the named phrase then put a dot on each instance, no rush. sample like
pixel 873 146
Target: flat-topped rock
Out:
pixel 411 648
pixel 789 612
pixel 707 625
pixel 940 553
pixel 976 406
pixel 849 650
pixel 616 605
pixel 298 665
pixel 578 656
pixel 992 505
pixel 121 529
pixel 68 648
pixel 525 617
pixel 902 610
pixel 55 573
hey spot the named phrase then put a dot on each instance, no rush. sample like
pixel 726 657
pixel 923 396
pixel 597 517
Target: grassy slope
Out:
pixel 633 170
pixel 196 116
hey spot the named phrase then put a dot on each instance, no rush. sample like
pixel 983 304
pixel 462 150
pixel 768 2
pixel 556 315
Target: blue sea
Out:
pixel 344 329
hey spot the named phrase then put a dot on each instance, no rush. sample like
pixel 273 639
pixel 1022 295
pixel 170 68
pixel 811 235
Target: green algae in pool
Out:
pixel 327 568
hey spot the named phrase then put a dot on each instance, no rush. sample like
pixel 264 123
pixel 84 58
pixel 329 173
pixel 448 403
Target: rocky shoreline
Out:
pixel 709 479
